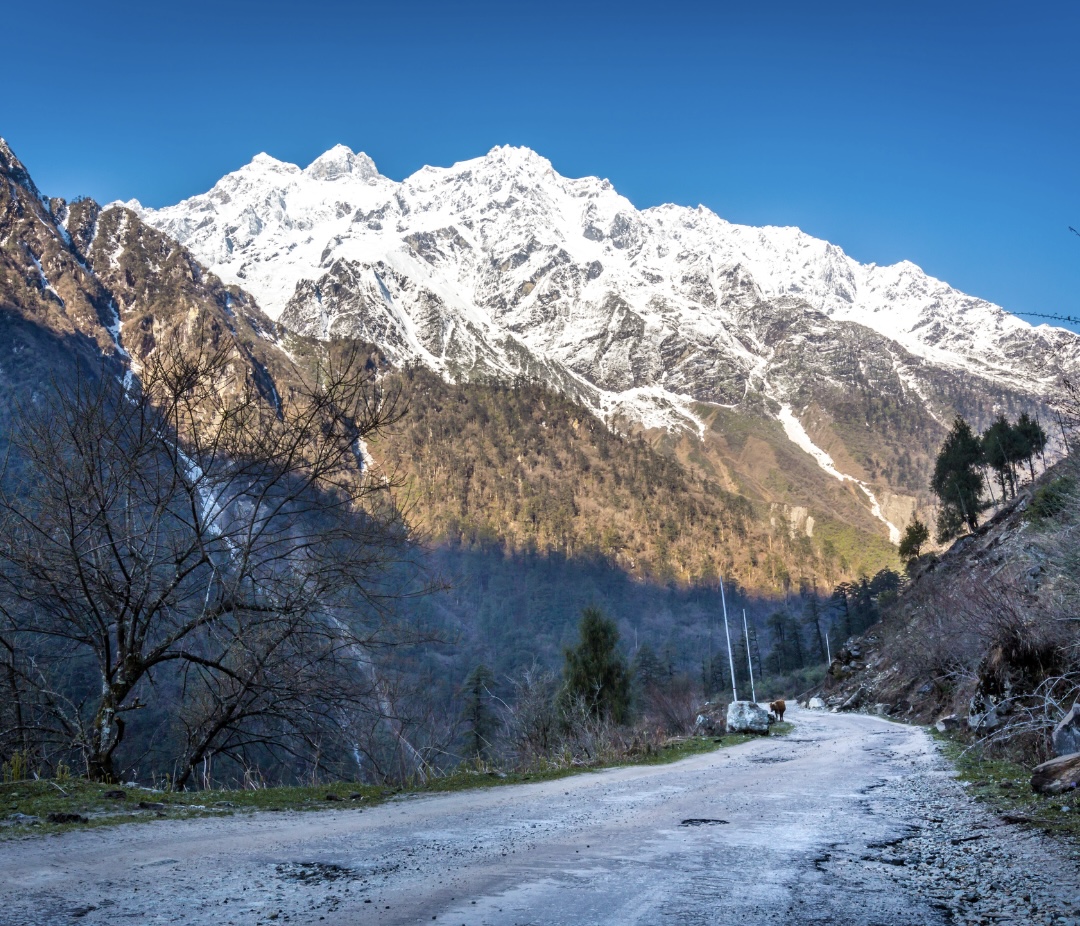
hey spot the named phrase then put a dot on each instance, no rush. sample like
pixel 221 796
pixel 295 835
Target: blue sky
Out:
pixel 942 133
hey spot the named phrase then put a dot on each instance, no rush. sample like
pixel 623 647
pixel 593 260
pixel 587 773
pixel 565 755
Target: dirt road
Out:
pixel 849 820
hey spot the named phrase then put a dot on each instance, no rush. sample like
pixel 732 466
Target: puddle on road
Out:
pixel 702 821
pixel 315 872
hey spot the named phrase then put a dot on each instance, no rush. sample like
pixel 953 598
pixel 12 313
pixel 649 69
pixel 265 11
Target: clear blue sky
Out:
pixel 947 133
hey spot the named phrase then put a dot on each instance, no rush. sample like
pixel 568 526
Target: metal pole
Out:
pixel 727 633
pixel 749 661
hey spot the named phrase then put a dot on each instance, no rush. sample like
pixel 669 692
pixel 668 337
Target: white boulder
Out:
pixel 747 717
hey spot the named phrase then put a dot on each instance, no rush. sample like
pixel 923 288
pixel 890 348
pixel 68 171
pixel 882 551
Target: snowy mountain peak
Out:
pixel 341 161
pixel 500 265
pixel 264 163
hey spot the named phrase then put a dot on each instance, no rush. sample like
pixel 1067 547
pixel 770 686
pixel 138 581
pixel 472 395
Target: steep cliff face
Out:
pixel 102 287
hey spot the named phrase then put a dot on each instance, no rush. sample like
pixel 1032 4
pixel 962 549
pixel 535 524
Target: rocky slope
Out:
pixel 103 287
pixel 983 638
pixel 668 317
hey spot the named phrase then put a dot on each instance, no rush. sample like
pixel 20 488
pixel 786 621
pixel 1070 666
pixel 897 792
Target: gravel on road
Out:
pixel 848 820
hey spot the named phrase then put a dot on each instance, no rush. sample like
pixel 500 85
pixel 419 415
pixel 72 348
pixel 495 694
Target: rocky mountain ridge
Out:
pixel 498 266
pixel 504 247
pixel 85 288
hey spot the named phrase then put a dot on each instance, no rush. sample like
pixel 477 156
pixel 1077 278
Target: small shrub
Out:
pixel 1052 499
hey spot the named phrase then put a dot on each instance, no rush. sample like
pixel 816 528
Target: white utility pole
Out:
pixel 749 661
pixel 727 633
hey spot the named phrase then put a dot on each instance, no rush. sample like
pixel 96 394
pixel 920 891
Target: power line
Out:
pixel 1061 318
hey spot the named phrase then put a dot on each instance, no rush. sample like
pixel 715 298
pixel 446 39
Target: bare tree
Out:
pixel 185 530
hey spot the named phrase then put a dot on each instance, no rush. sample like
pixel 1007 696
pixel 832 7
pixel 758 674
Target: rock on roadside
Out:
pixel 1057 776
pixel 711 720
pixel 747 717
pixel 1066 735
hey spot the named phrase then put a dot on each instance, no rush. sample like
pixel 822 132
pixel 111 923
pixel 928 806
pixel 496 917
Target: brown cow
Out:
pixel 778 707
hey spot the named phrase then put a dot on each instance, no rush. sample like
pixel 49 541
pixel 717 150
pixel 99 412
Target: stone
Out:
pixel 1057 776
pixel 115 795
pixel 747 717
pixel 1066 735
pixel 855 700
pixel 816 704
pixel 711 720
pixel 24 818
pixel 946 723
pixel 984 722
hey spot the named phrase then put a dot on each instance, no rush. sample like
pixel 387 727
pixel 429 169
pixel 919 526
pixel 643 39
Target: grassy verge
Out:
pixel 1006 787
pixel 25 806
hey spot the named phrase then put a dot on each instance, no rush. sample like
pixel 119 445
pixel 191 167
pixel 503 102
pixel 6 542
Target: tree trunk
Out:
pixel 108 732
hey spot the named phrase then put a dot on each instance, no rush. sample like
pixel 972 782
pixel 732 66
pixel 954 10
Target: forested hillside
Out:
pixel 519 467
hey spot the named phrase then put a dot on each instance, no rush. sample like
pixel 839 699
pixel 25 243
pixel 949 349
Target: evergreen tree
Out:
pixel 885 582
pixel 646 667
pixel 742 667
pixel 1003 447
pixel 594 670
pixel 865 609
pixel 788 650
pixel 958 481
pixel 776 661
pixel 840 605
pixel 715 677
pixel 1033 438
pixel 796 646
pixel 916 535
pixel 478 712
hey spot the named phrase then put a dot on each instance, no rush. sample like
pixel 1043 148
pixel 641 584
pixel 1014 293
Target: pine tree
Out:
pixel 916 535
pixel 866 613
pixel 958 481
pixel 840 603
pixel 812 617
pixel 1033 438
pixel 1003 447
pixel 478 713
pixel 646 667
pixel 595 671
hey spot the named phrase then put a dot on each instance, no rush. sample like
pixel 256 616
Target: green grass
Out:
pixel 1006 787
pixel 39 798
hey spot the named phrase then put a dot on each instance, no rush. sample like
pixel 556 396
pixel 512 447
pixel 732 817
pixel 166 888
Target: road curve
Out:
pixel 802 829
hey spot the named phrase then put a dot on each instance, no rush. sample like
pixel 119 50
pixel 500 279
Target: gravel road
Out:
pixel 848 820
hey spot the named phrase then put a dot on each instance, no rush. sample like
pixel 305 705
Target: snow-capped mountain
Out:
pixel 463 267
pixel 500 266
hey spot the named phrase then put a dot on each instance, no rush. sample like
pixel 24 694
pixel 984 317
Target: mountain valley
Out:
pixel 605 405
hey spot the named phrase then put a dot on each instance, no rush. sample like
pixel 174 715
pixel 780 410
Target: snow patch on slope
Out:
pixel 797 435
